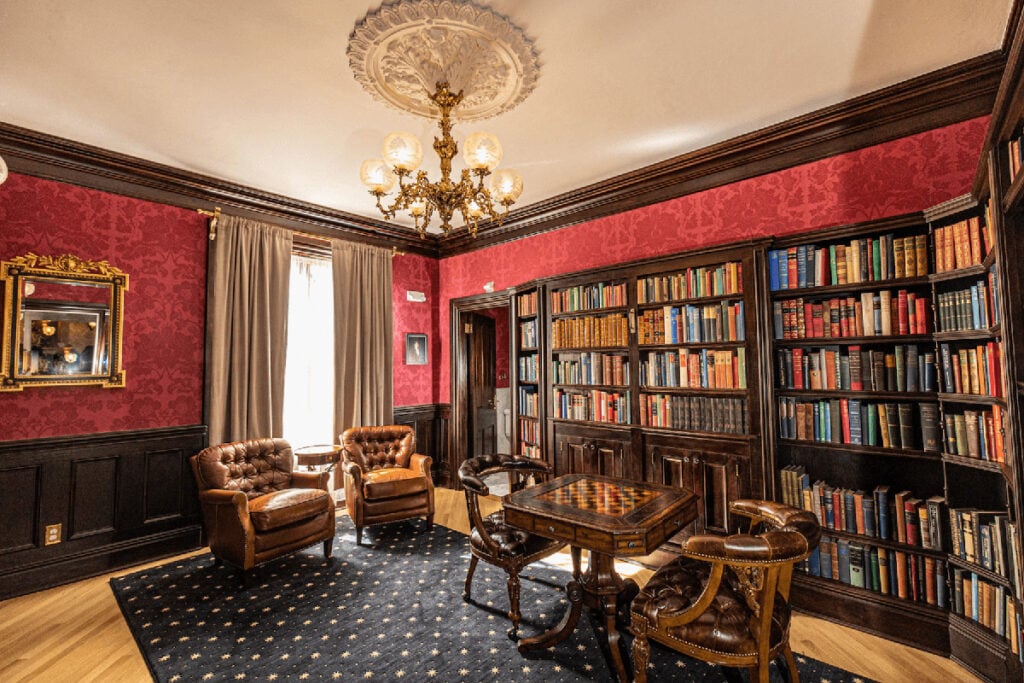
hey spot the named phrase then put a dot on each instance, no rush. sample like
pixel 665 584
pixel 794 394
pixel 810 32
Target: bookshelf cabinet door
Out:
pixel 588 451
pixel 716 478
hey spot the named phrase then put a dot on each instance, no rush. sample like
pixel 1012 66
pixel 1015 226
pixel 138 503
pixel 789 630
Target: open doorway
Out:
pixel 481 402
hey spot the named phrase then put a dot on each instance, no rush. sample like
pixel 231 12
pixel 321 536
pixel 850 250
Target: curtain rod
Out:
pixel 214 217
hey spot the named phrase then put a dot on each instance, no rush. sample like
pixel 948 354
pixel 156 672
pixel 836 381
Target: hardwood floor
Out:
pixel 76 633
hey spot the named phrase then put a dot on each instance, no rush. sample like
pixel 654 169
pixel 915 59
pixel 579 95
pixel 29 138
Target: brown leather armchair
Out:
pixel 726 599
pixel 493 541
pixel 386 480
pixel 255 507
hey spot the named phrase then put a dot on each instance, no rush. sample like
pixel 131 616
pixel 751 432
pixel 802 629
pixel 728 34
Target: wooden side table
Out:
pixel 320 458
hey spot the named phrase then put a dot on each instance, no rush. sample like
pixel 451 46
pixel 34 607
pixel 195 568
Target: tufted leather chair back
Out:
pixel 254 467
pixel 375 448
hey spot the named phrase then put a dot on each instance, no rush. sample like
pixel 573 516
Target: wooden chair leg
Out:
pixel 641 648
pixel 329 547
pixel 469 577
pixel 794 674
pixel 513 604
pixel 430 522
pixel 359 535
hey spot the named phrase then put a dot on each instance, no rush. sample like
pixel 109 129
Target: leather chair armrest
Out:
pixel 236 499
pixel 767 548
pixel 311 480
pixel 421 463
pixel 355 473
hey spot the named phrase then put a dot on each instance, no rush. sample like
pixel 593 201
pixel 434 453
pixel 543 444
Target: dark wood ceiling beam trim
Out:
pixel 942 97
pixel 48 156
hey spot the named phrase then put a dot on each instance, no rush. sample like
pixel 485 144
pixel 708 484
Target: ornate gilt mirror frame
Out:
pixel 55 279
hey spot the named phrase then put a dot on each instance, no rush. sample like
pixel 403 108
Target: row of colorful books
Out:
pixel 590 331
pixel 695 413
pixel 526 304
pixel 593 405
pixel 695 368
pixel 529 404
pixel 974 369
pixel 879 513
pixel 588 297
pixel 987 539
pixel 902 369
pixel 529 431
pixel 530 450
pixel 868 259
pixel 873 314
pixel 988 604
pixel 962 244
pixel 913 426
pixel 590 367
pixel 971 308
pixel 528 368
pixel 528 334
pixel 692 283
pixel 904 575
pixel 975 433
pixel 719 322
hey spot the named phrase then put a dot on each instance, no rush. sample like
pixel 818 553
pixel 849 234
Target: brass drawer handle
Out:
pixel 631 544
pixel 551 529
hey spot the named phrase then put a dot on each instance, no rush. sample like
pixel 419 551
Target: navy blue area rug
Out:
pixel 390 610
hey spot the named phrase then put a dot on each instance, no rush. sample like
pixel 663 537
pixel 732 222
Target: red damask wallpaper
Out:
pixel 163 250
pixel 415 384
pixel 909 174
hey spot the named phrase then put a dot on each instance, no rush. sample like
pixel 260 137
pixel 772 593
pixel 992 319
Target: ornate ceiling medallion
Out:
pixel 402 50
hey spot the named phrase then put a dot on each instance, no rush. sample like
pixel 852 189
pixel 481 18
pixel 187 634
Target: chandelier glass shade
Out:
pixel 421 198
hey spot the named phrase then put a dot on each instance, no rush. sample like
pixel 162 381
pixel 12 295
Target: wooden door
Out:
pixel 483 429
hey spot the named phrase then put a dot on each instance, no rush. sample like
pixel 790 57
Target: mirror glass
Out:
pixel 62 322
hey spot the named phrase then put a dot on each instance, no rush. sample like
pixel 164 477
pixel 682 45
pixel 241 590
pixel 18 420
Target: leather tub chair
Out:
pixel 493 541
pixel 256 507
pixel 385 479
pixel 726 599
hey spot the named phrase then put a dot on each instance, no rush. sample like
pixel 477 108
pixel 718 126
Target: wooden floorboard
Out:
pixel 75 633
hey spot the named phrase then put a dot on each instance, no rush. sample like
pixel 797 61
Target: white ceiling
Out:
pixel 259 92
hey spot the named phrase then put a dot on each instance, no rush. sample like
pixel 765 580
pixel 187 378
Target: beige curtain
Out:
pixel 362 335
pixel 247 329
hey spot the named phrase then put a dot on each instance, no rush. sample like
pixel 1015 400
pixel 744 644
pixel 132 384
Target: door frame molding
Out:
pixel 458 434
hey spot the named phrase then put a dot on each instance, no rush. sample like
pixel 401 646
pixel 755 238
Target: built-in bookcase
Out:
pixel 890 422
pixel 529 373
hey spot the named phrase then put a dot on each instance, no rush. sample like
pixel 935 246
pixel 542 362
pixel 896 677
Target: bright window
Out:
pixel 309 364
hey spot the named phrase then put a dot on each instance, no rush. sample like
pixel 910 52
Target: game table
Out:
pixel 611 518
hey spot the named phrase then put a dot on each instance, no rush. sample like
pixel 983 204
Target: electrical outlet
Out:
pixel 52 534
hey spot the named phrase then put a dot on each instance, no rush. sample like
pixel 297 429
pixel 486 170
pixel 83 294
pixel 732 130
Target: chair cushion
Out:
pixel 281 508
pixel 510 540
pixel 725 624
pixel 391 482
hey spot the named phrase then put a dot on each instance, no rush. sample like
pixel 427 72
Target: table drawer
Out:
pixel 630 545
pixel 554 529
pixel 672 527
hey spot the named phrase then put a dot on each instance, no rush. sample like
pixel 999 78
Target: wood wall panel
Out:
pixel 19 507
pixel 93 497
pixel 121 498
pixel 430 422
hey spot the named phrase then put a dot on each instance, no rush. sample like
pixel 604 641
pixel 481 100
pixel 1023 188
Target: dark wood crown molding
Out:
pixel 943 97
pixel 48 156
pixel 949 95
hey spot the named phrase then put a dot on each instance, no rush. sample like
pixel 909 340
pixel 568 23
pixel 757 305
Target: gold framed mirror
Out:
pixel 62 322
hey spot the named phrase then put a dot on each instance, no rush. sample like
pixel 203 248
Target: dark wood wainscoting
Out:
pixel 430 420
pixel 119 499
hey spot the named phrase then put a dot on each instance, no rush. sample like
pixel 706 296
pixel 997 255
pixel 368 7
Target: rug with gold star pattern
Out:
pixel 389 610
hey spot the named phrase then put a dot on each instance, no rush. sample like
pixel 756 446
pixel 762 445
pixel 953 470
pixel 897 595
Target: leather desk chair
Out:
pixel 385 479
pixel 496 543
pixel 256 507
pixel 726 599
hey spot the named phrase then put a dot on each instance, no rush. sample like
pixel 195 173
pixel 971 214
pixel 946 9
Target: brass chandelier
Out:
pixel 422 198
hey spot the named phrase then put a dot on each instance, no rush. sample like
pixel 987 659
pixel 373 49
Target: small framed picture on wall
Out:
pixel 415 349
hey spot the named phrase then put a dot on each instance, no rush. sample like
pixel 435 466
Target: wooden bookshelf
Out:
pixel 528 372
